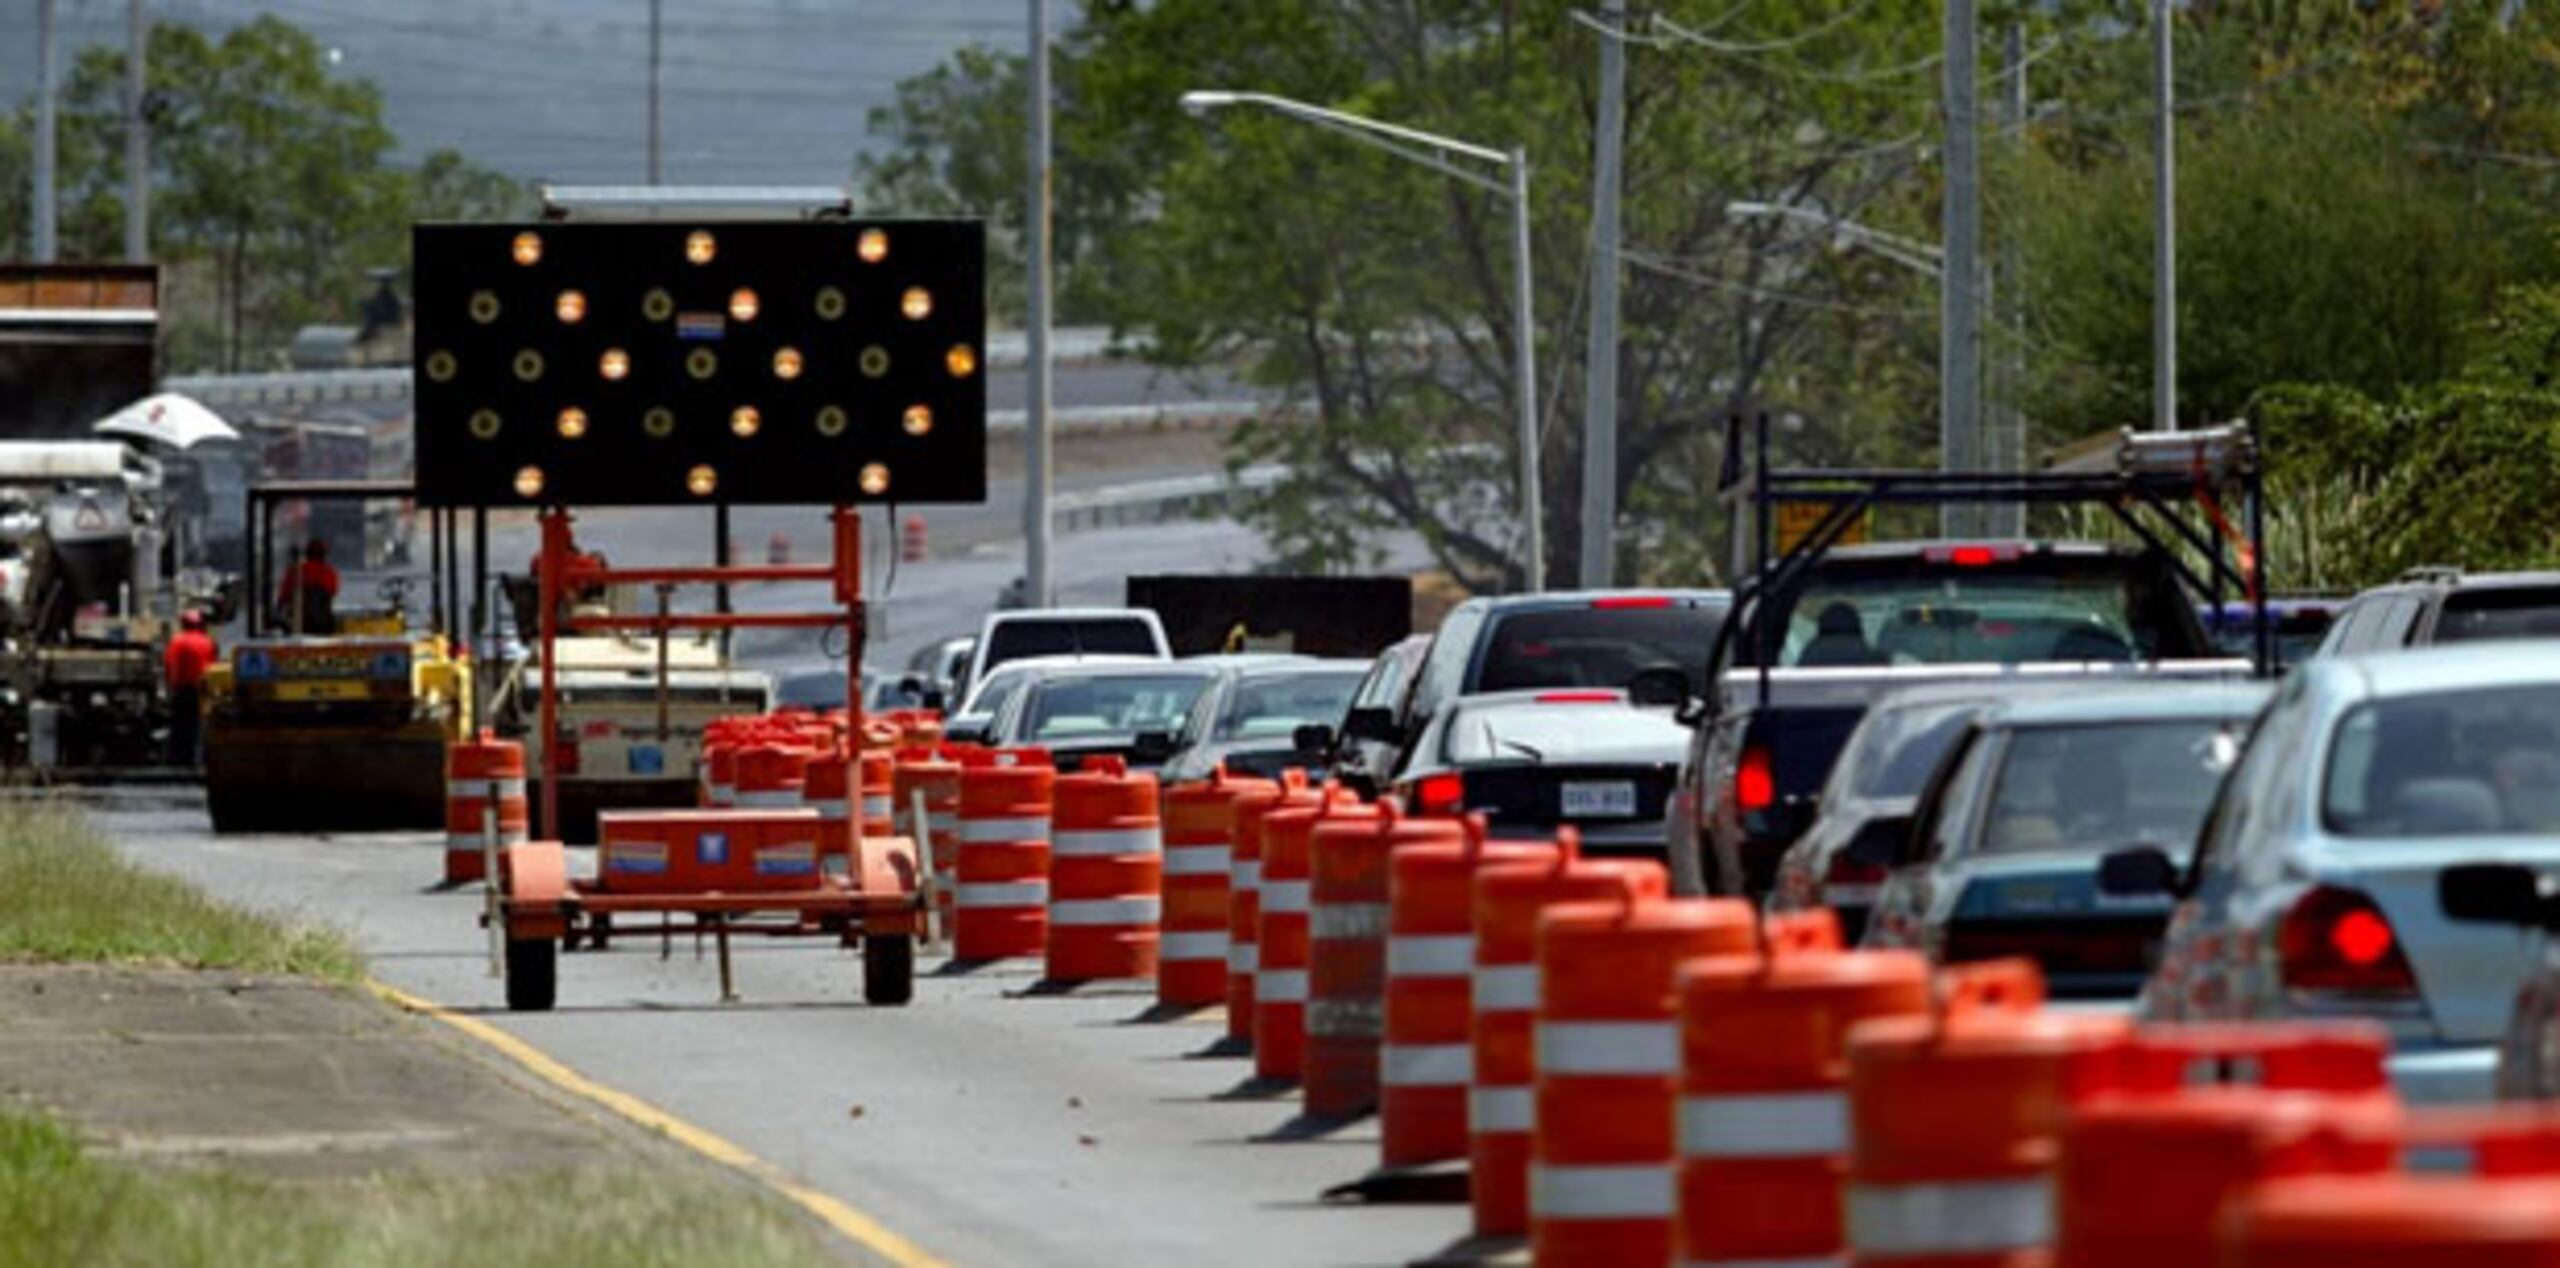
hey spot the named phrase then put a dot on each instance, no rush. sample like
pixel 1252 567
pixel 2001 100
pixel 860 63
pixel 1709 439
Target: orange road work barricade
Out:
pixel 2502 1210
pixel 1106 870
pixel 1288 879
pixel 1000 903
pixel 1426 1060
pixel 2173 1133
pixel 1199 853
pixel 770 775
pixel 1347 961
pixel 826 788
pixel 1244 894
pixel 484 804
pixel 926 774
pixel 1510 898
pixel 1955 1118
pixel 879 768
pixel 1602 1156
pixel 1764 1102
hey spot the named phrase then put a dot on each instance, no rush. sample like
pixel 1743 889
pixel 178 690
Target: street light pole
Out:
pixel 2164 261
pixel 1959 298
pixel 1600 357
pixel 41 245
pixel 1037 591
pixel 655 171
pixel 137 139
pixel 1438 153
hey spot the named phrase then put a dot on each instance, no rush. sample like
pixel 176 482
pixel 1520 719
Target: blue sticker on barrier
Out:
pixel 799 858
pixel 648 759
pixel 645 857
pixel 712 848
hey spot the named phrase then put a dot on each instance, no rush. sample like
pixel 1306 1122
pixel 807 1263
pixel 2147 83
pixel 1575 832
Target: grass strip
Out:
pixel 65 895
pixel 64 1205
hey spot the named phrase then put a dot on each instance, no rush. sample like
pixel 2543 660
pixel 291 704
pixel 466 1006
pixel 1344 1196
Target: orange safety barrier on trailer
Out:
pixel 1764 1103
pixel 2150 1158
pixel 769 776
pixel 1347 961
pixel 1280 983
pixel 1602 1158
pixel 1955 1117
pixel 1199 849
pixel 1106 872
pixel 1000 904
pixel 1425 1061
pixel 482 774
pixel 938 779
pixel 706 851
pixel 1510 898
pixel 1244 894
pixel 2503 1211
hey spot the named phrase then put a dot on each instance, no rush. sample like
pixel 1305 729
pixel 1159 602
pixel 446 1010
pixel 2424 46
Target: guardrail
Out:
pixel 1160 501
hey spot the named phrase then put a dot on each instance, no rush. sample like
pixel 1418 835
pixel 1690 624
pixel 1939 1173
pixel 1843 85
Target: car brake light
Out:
pixel 1632 601
pixel 2338 940
pixel 569 756
pixel 1578 697
pixel 1971 556
pixel 1755 783
pixel 1439 794
pixel 1848 871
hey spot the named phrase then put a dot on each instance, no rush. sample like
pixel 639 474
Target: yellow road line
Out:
pixel 865 1231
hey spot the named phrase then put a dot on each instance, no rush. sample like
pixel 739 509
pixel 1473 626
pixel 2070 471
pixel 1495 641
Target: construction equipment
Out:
pixel 337 732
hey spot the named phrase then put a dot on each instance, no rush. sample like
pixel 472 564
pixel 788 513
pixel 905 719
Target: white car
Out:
pixel 988 695
pixel 1014 635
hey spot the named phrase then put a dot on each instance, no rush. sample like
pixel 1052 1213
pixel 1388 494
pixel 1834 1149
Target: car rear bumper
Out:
pixel 2438 1076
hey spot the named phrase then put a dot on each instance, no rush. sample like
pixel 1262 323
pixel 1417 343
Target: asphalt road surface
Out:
pixel 986 1126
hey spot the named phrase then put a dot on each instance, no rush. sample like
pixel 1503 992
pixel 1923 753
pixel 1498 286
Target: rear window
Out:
pixel 2103 787
pixel 1902 747
pixel 1954 617
pixel 1127 636
pixel 1548 733
pixel 1119 705
pixel 2479 616
pixel 1597 647
pixel 2452 764
pixel 1273 708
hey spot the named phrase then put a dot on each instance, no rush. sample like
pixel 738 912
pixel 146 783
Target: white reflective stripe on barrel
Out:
pixel 1430 955
pixel 1499 1109
pixel 1243 957
pixel 1246 876
pixel 1608 1047
pixel 477 786
pixel 878 805
pixel 1104 842
pixel 1426 1064
pixel 1284 897
pixel 941 821
pixel 1506 988
pixel 1196 860
pixel 1002 893
pixel 1765 1125
pixel 1193 946
pixel 828 808
pixel 1280 986
pixel 1104 911
pixel 769 799
pixel 723 794
pixel 1347 920
pixel 996 831
pixel 1640 1192
pixel 1961 1218
pixel 472 841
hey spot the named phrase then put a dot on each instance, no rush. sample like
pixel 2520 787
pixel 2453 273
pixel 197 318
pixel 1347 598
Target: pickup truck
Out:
pixel 1862 621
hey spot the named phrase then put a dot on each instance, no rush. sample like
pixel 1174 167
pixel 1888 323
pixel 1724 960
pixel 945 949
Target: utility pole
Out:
pixel 1600 358
pixel 1960 276
pixel 2009 438
pixel 137 138
pixel 42 245
pixel 656 173
pixel 1524 360
pixel 1037 590
pixel 2164 245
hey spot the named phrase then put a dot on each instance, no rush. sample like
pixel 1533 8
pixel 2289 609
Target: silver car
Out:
pixel 2314 891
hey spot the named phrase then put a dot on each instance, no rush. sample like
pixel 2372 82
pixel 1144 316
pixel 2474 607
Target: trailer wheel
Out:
pixel 888 968
pixel 533 974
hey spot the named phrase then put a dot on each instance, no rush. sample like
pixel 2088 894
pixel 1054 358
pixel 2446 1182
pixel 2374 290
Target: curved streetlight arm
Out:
pixel 1910 253
pixel 1413 145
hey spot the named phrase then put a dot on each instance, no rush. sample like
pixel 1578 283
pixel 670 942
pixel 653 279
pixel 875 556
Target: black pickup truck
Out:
pixel 1859 622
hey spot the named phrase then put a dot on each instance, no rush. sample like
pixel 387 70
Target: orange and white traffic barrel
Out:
pixel 769 776
pixel 1509 900
pixel 1106 872
pixel 2502 1211
pixel 1764 1102
pixel 1425 1062
pixel 1281 982
pixel 879 792
pixel 1199 848
pixel 1602 1158
pixel 1000 903
pixel 1244 893
pixel 720 771
pixel 924 771
pixel 482 776
pixel 826 786
pixel 2151 1158
pixel 1347 961
pixel 1955 1117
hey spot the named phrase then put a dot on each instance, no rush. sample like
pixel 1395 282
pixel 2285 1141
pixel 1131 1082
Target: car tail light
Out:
pixel 1848 871
pixel 1755 781
pixel 2338 940
pixel 1632 601
pixel 1439 794
pixel 569 756
pixel 1977 556
pixel 1579 697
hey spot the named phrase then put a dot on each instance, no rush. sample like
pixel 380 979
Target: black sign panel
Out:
pixel 809 362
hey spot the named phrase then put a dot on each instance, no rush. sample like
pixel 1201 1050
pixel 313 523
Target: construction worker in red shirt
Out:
pixel 190 653
pixel 309 595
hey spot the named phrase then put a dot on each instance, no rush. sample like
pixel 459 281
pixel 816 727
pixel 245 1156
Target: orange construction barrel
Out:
pixel 924 771
pixel 1347 961
pixel 482 774
pixel 1199 838
pixel 1425 1061
pixel 1000 906
pixel 1281 984
pixel 1106 870
pixel 1244 893
pixel 879 792
pixel 2503 1213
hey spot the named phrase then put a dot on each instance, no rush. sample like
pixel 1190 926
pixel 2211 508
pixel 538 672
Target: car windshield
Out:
pixel 813 691
pixel 1903 746
pixel 1071 636
pixel 1274 707
pixel 2480 616
pixel 1109 705
pixel 1598 646
pixel 991 695
pixel 2448 764
pixel 2103 786
pixel 1963 618
pixel 1558 733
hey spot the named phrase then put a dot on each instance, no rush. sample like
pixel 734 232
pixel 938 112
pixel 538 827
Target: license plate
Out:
pixel 1594 800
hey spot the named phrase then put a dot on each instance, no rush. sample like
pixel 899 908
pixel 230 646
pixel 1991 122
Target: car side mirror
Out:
pixel 2494 893
pixel 1374 723
pixel 1658 687
pixel 2142 871
pixel 1884 842
pixel 1313 737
